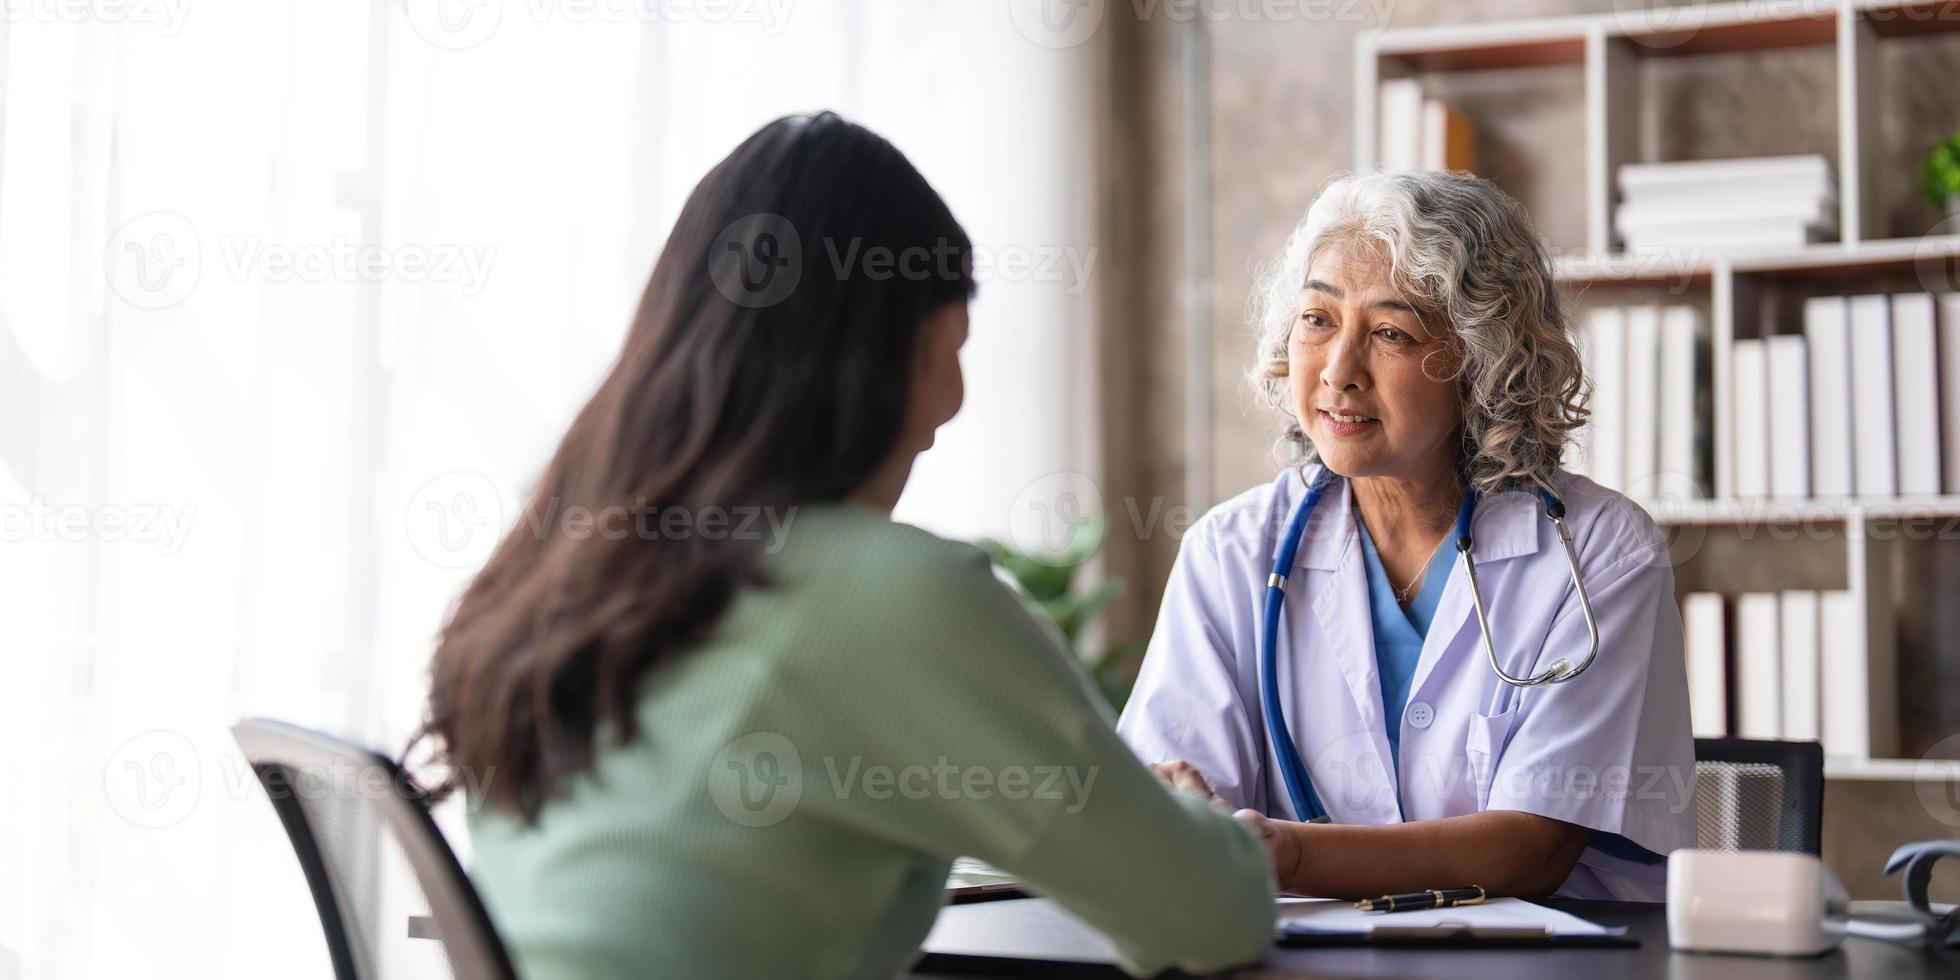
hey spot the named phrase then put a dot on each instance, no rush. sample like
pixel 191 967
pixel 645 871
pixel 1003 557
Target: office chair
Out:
pixel 1759 795
pixel 342 805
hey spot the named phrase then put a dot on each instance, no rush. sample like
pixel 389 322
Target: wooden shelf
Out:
pixel 1744 294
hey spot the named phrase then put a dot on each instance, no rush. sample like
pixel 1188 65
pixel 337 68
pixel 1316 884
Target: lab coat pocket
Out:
pixel 1482 746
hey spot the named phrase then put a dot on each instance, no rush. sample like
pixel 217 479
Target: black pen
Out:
pixel 1434 898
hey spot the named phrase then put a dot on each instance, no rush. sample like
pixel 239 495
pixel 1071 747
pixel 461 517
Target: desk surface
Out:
pixel 1034 937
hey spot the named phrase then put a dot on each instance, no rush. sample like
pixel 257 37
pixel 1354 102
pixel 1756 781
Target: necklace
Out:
pixel 1402 594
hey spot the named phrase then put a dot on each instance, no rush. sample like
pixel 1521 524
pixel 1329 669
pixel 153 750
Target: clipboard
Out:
pixel 1301 934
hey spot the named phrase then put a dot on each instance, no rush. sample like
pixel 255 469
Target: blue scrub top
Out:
pixel 1398 645
pixel 1399 633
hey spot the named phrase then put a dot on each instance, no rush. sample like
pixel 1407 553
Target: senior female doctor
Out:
pixel 1412 335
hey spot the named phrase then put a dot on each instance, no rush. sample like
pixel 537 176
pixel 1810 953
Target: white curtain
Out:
pixel 296 299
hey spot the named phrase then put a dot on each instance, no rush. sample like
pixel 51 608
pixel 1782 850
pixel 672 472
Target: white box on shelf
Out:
pixel 1642 393
pixel 1948 307
pixel 1607 327
pixel 1704 627
pixel 1750 366
pixel 1827 333
pixel 1916 395
pixel 1400 123
pixel 1684 370
pixel 1758 666
pixel 1797 635
pixel 1873 445
pixel 1847 708
pixel 1789 417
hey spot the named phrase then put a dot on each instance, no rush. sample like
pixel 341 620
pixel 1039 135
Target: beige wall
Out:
pixel 1279 111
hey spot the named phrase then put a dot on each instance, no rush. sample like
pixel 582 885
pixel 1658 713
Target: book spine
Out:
pixel 1827 334
pixel 1873 447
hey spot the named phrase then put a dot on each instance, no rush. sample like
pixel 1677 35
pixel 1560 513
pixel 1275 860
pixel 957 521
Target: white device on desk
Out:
pixel 1771 903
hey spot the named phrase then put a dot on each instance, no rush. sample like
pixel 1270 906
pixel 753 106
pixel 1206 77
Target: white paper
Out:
pixel 1336 915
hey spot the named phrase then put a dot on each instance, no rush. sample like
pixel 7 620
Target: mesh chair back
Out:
pixel 1759 795
pixel 344 808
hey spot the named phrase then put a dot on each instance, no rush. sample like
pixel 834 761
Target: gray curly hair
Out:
pixel 1466 255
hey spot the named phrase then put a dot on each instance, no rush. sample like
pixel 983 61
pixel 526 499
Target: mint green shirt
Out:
pixel 801 783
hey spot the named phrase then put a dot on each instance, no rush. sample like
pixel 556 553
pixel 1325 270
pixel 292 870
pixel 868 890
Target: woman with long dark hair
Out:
pixel 717 713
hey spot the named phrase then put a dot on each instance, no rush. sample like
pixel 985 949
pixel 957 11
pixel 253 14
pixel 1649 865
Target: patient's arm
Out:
pixel 1504 851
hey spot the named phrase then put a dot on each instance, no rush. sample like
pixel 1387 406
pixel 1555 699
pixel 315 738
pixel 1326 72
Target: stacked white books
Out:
pixel 1864 403
pixel 1792 666
pixel 1648 435
pixel 1727 205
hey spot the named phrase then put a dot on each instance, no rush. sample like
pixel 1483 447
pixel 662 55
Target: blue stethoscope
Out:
pixel 1299 788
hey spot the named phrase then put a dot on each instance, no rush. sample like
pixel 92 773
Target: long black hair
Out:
pixel 769 365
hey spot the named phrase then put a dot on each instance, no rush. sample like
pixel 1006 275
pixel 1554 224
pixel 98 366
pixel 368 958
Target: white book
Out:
pixel 1789 417
pixel 1750 442
pixel 1400 123
pixel 1758 666
pixel 1875 471
pixel 1607 343
pixel 1797 635
pixel 1684 360
pixel 1847 718
pixel 1675 206
pixel 1704 630
pixel 1916 393
pixel 1768 228
pixel 1948 308
pixel 1811 169
pixel 1643 368
pixel 1827 333
pixel 1723 240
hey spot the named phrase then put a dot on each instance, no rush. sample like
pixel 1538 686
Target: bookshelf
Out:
pixel 1858 540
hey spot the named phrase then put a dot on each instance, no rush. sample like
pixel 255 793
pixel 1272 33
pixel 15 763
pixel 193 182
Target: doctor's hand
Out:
pixel 1178 774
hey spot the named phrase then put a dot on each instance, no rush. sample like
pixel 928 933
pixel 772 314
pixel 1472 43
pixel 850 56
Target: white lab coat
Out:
pixel 1610 749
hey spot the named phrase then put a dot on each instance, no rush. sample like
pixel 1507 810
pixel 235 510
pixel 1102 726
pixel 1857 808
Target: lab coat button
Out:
pixel 1420 714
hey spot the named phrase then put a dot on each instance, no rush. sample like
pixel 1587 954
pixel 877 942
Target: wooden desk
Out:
pixel 1036 938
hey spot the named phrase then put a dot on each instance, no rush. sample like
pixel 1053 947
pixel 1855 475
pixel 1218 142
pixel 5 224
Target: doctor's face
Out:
pixel 1373 385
